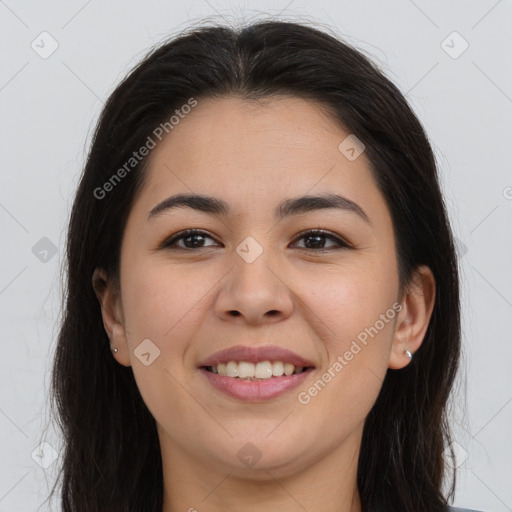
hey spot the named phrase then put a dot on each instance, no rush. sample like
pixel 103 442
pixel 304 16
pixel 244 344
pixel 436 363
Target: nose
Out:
pixel 254 293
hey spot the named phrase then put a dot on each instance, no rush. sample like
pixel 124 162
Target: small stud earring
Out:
pixel 115 350
pixel 408 354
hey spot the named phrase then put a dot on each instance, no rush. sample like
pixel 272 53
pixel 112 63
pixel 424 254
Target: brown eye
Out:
pixel 192 239
pixel 315 241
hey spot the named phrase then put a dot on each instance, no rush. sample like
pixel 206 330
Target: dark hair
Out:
pixel 111 457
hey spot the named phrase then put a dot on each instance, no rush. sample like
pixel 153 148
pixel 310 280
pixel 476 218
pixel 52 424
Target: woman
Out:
pixel 263 297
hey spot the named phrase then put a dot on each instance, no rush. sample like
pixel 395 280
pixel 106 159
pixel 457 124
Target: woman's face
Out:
pixel 254 278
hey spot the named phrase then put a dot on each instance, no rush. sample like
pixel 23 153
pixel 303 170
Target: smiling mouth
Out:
pixel 263 370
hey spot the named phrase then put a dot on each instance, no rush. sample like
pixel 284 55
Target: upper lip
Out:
pixel 256 355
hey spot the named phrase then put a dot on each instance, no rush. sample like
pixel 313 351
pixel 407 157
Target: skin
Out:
pixel 193 302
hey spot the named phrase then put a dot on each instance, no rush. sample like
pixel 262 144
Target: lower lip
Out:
pixel 255 390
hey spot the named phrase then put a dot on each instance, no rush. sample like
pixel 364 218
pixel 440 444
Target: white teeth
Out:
pixel 261 370
pixel 288 368
pixel 245 370
pixel 232 369
pixel 277 368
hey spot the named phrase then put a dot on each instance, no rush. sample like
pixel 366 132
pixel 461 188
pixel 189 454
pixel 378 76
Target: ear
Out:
pixel 414 317
pixel 108 294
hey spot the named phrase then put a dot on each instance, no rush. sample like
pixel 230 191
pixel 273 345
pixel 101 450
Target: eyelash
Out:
pixel 168 243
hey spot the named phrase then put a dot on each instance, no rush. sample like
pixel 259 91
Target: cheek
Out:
pixel 159 301
pixel 162 304
pixel 357 344
pixel 359 309
pixel 349 300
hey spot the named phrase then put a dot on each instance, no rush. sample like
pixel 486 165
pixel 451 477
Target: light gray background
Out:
pixel 49 106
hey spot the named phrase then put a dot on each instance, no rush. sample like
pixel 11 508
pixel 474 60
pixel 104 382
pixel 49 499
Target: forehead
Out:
pixel 272 133
pixel 256 152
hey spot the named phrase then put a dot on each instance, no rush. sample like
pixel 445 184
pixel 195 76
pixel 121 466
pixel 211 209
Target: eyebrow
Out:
pixel 293 206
